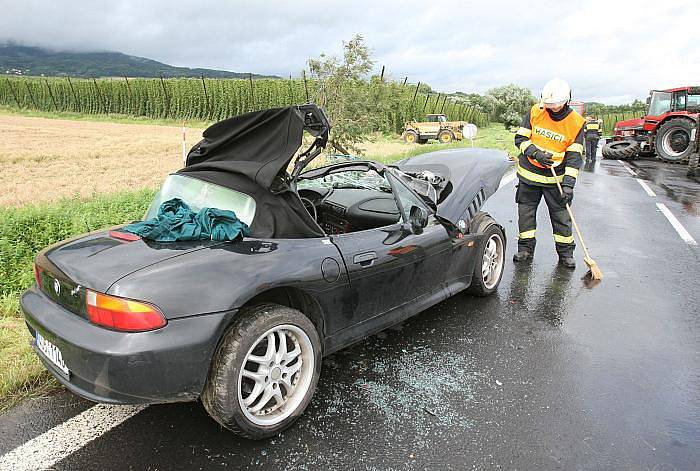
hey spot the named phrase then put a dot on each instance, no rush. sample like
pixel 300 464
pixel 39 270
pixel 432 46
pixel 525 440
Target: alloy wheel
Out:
pixel 276 375
pixel 492 262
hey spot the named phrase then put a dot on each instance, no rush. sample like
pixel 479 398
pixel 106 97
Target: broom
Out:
pixel 593 272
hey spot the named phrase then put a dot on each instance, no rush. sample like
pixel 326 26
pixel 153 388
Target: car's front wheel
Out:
pixel 264 372
pixel 490 259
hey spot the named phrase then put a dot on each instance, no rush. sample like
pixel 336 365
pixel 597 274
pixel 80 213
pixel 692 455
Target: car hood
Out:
pixel 630 123
pixel 97 260
pixel 468 177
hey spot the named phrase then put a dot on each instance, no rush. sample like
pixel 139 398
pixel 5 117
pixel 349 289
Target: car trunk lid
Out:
pixel 98 260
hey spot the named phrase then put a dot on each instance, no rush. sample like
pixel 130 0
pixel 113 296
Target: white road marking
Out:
pixel 506 180
pixel 632 172
pixel 649 191
pixel 685 235
pixel 49 448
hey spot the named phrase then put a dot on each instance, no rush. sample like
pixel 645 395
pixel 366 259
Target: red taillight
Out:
pixel 122 314
pixel 37 275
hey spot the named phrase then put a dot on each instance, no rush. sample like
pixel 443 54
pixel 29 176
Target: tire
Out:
pixel 483 284
pixel 227 388
pixel 673 140
pixel 445 137
pixel 693 163
pixel 621 150
pixel 410 137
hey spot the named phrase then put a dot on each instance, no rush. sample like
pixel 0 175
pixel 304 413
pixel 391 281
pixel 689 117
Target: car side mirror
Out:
pixel 418 217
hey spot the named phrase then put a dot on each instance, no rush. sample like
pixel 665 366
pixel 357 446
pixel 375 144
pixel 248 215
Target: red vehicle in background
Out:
pixel 667 129
pixel 577 106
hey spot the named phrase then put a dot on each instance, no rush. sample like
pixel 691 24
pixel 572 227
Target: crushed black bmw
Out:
pixel 334 254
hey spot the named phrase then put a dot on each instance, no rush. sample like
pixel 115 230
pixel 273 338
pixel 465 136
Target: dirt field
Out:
pixel 46 159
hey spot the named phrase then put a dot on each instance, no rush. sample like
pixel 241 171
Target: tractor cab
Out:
pixel 436 118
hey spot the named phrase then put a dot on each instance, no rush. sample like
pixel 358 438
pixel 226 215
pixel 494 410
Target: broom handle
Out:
pixel 571 214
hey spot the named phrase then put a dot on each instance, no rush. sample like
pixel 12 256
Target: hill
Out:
pixel 25 60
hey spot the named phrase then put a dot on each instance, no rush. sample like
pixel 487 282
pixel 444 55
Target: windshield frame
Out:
pixel 655 98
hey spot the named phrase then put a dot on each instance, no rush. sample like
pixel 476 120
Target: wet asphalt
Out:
pixel 550 373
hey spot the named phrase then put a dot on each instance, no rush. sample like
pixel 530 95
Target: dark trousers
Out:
pixel 528 198
pixel 591 147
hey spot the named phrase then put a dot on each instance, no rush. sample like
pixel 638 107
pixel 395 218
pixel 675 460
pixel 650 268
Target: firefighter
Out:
pixel 593 131
pixel 551 135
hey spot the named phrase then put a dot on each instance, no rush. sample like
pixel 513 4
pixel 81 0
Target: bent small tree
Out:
pixel 342 92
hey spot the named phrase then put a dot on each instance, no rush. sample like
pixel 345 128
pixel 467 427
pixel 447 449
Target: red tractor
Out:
pixel 667 129
pixel 578 106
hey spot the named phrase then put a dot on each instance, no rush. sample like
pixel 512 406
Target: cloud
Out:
pixel 609 51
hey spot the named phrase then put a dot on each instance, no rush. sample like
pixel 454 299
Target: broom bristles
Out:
pixel 594 271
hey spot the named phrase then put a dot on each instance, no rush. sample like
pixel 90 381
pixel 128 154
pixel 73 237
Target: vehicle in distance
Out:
pixel 336 253
pixel 665 130
pixel 435 126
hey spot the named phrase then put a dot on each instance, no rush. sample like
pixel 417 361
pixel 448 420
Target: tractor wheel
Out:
pixel 410 137
pixel 693 162
pixel 445 137
pixel 673 140
pixel 621 150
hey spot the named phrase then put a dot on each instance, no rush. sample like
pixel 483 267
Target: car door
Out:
pixel 395 264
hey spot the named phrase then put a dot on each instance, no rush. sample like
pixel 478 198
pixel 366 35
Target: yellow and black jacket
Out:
pixel 593 129
pixel 560 134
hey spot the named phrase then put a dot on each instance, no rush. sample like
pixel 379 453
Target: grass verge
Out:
pixel 23 233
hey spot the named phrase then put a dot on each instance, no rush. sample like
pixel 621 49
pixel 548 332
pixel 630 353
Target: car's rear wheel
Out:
pixel 490 259
pixel 264 372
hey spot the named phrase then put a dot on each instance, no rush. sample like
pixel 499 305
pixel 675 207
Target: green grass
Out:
pixel 494 136
pixel 23 233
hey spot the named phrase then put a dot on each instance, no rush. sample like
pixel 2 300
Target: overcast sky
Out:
pixel 609 51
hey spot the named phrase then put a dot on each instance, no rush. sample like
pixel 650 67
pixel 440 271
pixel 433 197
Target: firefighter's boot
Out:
pixel 567 262
pixel 522 256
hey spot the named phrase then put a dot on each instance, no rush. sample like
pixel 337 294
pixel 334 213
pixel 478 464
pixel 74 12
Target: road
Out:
pixel 550 373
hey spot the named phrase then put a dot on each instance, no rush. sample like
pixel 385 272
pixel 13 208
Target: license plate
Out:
pixel 51 352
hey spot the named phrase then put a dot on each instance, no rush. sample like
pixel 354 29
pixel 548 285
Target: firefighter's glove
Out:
pixel 544 158
pixel 568 195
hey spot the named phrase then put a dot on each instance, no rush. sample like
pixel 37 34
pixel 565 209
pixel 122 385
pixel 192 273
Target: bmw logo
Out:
pixel 57 286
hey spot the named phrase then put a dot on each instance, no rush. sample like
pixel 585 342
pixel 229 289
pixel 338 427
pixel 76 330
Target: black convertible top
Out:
pixel 250 153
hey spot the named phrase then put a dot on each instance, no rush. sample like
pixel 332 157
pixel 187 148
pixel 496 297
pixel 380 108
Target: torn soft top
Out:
pixel 258 145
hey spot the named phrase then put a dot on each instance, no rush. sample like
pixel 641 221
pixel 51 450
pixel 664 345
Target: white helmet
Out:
pixel 556 92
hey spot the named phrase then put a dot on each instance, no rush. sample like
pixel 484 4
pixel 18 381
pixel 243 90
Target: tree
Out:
pixel 479 102
pixel 342 91
pixel 509 103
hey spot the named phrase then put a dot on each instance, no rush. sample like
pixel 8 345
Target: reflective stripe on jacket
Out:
pixel 555 137
pixel 559 133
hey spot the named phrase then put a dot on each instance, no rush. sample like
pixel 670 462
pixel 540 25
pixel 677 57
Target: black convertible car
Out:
pixel 335 254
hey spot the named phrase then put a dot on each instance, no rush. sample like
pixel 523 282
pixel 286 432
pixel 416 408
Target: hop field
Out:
pixel 213 99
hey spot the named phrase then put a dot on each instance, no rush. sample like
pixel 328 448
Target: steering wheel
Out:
pixel 308 202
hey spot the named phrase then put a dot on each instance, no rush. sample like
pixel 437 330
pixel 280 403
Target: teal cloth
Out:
pixel 177 222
